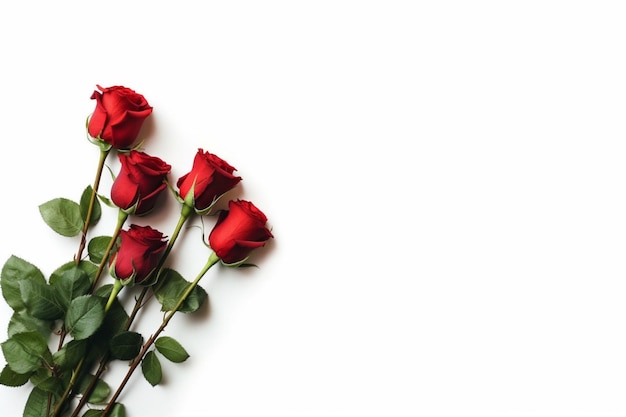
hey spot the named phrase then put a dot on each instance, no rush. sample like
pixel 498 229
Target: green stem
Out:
pixel 60 404
pixel 91 386
pixel 138 305
pixel 121 219
pixel 185 212
pixel 49 404
pixel 117 287
pixel 213 259
pixel 96 183
pixel 103 363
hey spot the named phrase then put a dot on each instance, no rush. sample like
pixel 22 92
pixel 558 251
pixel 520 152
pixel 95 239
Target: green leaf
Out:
pixel 171 287
pixel 11 378
pixel 25 352
pixel 37 404
pixel 70 355
pixel 63 216
pixel 15 270
pixel 70 284
pixel 84 316
pixel 151 368
pixel 22 322
pixel 126 345
pixel 84 206
pixel 100 392
pixel 46 381
pixel 97 248
pixel 104 291
pixel 41 300
pixel 171 349
pixel 40 374
pixel 118 410
pixel 83 267
pixel 114 323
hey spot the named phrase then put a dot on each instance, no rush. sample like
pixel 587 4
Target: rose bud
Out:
pixel 238 231
pixel 210 177
pixel 138 255
pixel 139 182
pixel 118 117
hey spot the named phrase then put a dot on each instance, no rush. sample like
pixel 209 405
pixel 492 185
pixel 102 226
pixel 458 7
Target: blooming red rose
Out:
pixel 238 231
pixel 139 253
pixel 210 177
pixel 140 181
pixel 118 117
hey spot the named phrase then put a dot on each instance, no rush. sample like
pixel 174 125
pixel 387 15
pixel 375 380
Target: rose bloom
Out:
pixel 140 249
pixel 238 231
pixel 118 117
pixel 140 181
pixel 210 177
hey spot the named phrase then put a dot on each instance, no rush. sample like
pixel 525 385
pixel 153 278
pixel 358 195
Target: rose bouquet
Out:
pixel 68 327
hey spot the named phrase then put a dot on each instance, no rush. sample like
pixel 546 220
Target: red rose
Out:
pixel 238 231
pixel 140 249
pixel 140 181
pixel 210 177
pixel 118 116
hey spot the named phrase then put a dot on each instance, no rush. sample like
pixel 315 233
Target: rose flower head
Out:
pixel 238 231
pixel 118 117
pixel 139 182
pixel 138 255
pixel 209 178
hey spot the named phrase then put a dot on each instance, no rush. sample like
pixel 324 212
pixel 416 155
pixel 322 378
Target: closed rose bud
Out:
pixel 210 177
pixel 118 117
pixel 139 182
pixel 238 231
pixel 139 253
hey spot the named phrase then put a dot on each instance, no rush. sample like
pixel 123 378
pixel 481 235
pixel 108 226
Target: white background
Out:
pixel 445 182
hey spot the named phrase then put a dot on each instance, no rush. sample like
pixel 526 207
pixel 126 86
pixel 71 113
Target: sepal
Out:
pixel 190 201
pixel 206 210
pixel 125 281
pixel 106 201
pixel 104 146
pixel 238 264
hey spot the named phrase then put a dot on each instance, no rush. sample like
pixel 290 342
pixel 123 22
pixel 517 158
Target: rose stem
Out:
pixel 186 212
pixel 104 152
pixel 213 259
pixel 94 380
pixel 121 219
pixel 117 287
pixel 59 405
